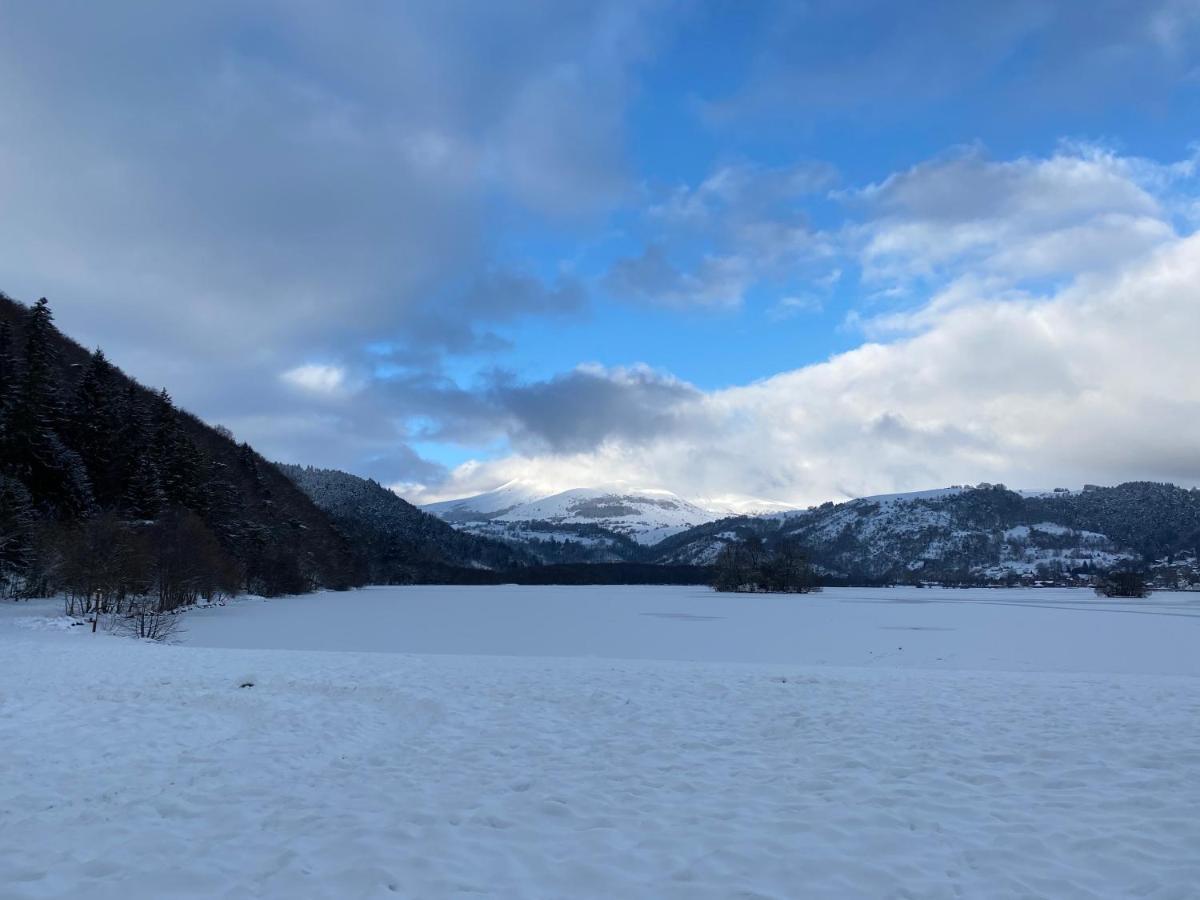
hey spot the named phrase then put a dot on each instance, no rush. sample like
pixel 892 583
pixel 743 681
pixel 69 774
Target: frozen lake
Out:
pixel 599 742
pixel 1020 630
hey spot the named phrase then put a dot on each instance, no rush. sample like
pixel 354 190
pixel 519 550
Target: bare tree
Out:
pixel 188 561
pixel 142 618
pixel 104 561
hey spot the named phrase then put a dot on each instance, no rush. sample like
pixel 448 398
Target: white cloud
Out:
pixel 997 376
pixel 1096 382
pixel 1081 209
pixel 320 379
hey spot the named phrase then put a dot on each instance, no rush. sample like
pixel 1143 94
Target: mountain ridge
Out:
pixel 599 524
pixel 397 542
pixel 985 534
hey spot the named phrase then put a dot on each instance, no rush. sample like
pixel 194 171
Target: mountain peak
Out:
pixel 645 515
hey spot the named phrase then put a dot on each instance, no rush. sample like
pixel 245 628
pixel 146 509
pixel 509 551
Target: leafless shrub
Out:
pixel 142 618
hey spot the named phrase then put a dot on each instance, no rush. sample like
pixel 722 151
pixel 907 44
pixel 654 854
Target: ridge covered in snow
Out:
pixel 984 533
pixel 981 534
pixel 642 515
pixel 485 506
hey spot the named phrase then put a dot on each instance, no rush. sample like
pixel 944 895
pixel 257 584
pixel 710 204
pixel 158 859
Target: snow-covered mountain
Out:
pixel 482 507
pixel 979 534
pixel 985 534
pixel 645 515
pixel 601 522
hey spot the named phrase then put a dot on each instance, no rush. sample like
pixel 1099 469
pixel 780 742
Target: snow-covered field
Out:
pixel 609 742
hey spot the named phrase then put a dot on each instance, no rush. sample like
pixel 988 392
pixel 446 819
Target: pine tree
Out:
pixel 178 460
pixel 8 366
pixel 95 427
pixel 8 393
pixel 143 497
pixel 49 468
pixel 38 393
pixel 16 535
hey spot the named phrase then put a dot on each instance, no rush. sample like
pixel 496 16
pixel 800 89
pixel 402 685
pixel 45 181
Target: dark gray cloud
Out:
pixel 284 169
pixel 461 319
pixel 579 410
pixel 503 296
pixel 570 412
pixel 403 464
pixel 218 194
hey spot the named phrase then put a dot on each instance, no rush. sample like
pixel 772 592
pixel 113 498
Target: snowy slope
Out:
pixel 516 511
pixel 905 498
pixel 985 533
pixel 645 515
pixel 909 496
pixel 1068 771
pixel 485 506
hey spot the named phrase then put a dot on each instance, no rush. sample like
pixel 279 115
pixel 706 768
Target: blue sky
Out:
pixel 745 251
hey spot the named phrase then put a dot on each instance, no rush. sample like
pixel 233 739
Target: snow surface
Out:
pixel 632 742
pixel 1029 630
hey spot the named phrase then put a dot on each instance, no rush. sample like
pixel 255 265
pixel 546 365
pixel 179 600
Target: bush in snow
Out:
pixel 143 617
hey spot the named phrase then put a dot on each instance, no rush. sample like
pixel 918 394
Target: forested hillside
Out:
pixel 107 489
pixel 398 543
pixel 979 535
pixel 1152 519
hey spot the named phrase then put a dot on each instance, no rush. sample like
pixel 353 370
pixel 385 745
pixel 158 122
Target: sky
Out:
pixel 747 252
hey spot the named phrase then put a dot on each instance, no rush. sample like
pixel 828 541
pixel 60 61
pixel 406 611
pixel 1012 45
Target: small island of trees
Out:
pixel 1125 583
pixel 749 566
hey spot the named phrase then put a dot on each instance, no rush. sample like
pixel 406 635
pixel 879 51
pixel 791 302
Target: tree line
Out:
pixel 109 493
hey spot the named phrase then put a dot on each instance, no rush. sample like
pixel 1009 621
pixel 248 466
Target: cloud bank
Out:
pixel 1091 377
